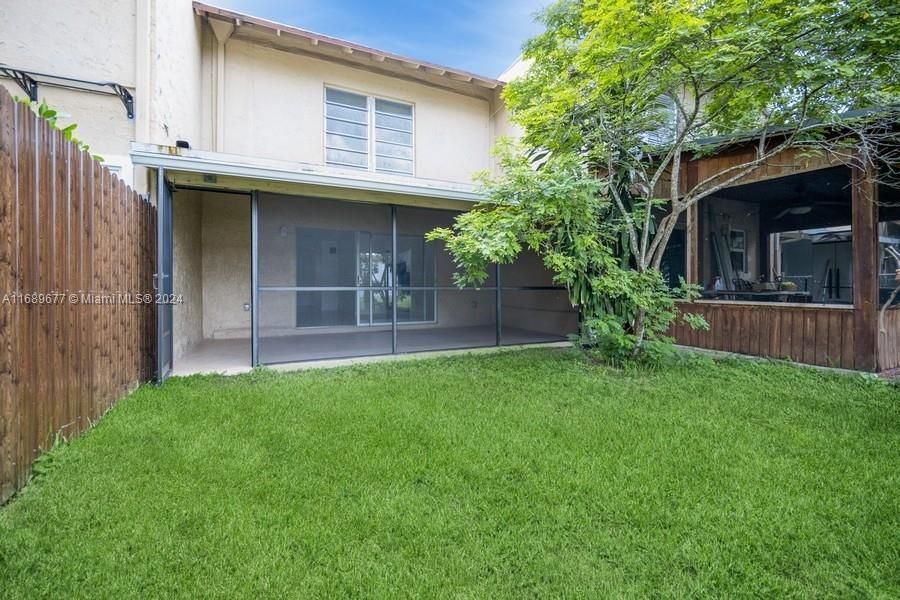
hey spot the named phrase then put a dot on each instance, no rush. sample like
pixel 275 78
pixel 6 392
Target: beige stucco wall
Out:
pixel 175 72
pixel 187 280
pixel 501 124
pixel 275 102
pixel 226 265
pixel 502 128
pixel 211 264
pixel 89 39
pixel 152 47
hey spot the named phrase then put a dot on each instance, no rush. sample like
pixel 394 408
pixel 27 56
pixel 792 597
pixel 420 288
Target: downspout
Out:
pixel 222 31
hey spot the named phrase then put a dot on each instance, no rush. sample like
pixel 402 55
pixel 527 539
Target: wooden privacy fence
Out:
pixel 815 335
pixel 77 247
pixel 889 341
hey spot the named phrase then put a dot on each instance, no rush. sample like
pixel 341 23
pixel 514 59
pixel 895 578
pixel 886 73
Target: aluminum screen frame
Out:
pixel 395 289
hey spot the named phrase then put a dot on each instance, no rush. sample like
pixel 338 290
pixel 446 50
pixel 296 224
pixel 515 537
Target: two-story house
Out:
pixel 295 177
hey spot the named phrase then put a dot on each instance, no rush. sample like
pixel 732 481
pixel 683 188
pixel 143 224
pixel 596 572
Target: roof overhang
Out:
pixel 216 170
pixel 300 41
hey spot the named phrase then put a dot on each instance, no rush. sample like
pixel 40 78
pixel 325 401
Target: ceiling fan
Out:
pixel 795 211
pixel 805 209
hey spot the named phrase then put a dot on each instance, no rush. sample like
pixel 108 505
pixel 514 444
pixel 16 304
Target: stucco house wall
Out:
pixel 174 73
pixel 273 104
pixel 89 39
pixel 274 108
pixel 187 252
pixel 225 238
pixel 151 47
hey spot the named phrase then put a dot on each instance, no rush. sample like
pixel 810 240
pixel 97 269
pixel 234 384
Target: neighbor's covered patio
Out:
pixel 795 262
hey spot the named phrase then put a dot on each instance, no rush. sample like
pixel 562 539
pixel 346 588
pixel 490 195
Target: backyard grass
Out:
pixel 530 473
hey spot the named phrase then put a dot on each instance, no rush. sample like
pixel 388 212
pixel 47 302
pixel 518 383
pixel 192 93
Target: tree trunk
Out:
pixel 639 333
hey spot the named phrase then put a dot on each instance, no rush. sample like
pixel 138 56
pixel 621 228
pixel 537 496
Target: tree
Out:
pixel 628 89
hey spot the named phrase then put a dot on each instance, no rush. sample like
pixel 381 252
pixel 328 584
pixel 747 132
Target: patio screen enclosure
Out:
pixel 334 279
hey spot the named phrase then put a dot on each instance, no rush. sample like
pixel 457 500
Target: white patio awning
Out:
pixel 215 170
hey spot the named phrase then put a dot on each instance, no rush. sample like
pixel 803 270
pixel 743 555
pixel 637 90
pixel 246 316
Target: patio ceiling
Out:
pixel 820 198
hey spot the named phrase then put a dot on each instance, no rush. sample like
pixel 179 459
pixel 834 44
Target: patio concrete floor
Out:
pixel 231 356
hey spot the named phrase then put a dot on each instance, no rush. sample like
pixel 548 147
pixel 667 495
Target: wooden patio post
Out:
pixel 692 229
pixel 865 268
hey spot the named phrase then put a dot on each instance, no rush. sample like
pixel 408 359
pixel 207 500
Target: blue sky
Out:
pixel 481 36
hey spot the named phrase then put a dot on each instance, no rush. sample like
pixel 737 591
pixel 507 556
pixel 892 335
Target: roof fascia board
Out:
pixel 279 30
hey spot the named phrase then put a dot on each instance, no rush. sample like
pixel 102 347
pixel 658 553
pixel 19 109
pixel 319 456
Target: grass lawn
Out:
pixel 529 473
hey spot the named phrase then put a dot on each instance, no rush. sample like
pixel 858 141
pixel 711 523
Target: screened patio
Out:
pixel 338 279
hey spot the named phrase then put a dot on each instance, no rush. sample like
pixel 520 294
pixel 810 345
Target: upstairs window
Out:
pixel 393 137
pixel 363 132
pixel 666 113
pixel 346 129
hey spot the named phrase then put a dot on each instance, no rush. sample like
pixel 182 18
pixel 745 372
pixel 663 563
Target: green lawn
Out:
pixel 529 473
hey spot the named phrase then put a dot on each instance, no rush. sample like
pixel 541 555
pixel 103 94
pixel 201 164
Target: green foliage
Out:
pixel 560 212
pixel 556 211
pixel 50 115
pixel 618 91
pixel 49 459
pixel 602 66
pixel 526 474
pixel 695 321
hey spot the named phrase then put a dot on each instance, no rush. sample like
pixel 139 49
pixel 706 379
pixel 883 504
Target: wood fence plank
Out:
pixel 9 409
pixel 798 320
pixel 71 274
pixel 821 345
pixel 754 331
pixel 809 337
pixel 87 284
pixel 834 348
pixel 889 341
pixel 774 336
pixel 848 348
pixel 26 273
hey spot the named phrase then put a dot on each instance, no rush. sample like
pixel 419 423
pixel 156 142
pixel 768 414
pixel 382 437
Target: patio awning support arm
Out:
pixel 125 96
pixel 26 80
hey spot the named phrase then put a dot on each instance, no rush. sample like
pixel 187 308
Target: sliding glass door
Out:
pixel 374 272
pixel 415 266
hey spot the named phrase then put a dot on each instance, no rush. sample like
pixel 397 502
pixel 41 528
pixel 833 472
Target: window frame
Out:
pixel 742 250
pixel 371 145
